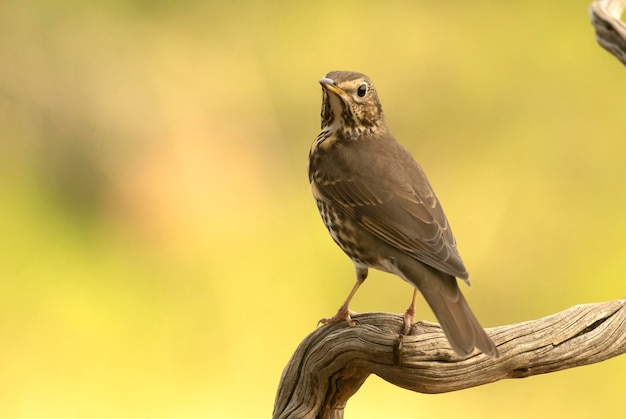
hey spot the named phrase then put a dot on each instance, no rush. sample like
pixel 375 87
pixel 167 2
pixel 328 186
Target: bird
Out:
pixel 380 209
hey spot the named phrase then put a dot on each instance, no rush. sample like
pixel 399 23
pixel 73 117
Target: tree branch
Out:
pixel 610 30
pixel 332 363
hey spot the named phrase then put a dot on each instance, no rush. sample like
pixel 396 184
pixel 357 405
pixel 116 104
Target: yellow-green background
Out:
pixel 161 255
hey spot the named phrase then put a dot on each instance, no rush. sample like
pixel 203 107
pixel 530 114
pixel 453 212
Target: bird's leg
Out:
pixel 409 314
pixel 344 313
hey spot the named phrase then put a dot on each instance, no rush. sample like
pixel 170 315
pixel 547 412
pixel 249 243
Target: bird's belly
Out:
pixel 349 236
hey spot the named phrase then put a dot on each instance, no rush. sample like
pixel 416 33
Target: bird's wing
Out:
pixel 399 207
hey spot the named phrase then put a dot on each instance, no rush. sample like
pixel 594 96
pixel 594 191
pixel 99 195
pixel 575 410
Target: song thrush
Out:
pixel 379 207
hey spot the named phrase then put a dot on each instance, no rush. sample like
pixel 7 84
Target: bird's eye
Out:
pixel 362 90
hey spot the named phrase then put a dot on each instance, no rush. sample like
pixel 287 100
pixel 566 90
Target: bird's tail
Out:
pixel 444 297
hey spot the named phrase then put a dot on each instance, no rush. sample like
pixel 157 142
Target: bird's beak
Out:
pixel 330 86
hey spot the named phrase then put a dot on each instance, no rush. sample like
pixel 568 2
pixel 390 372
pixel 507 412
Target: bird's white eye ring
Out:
pixel 362 89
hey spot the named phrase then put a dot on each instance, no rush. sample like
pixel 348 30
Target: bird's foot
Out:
pixel 344 313
pixel 409 319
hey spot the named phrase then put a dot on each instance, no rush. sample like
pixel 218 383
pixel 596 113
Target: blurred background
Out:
pixel 162 256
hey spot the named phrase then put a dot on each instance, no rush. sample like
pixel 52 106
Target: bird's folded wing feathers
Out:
pixel 411 221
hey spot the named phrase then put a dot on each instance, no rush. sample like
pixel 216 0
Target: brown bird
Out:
pixel 379 207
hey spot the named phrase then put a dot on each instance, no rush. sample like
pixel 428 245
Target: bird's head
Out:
pixel 350 104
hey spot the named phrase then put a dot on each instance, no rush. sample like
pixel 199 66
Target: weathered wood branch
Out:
pixel 332 363
pixel 610 29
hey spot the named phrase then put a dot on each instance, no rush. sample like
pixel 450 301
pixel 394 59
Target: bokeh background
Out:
pixel 161 255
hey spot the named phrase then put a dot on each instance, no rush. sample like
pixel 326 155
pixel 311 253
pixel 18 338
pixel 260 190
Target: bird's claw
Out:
pixel 343 314
pixel 409 318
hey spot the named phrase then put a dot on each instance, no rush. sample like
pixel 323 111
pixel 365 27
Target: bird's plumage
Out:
pixel 380 208
pixel 399 208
